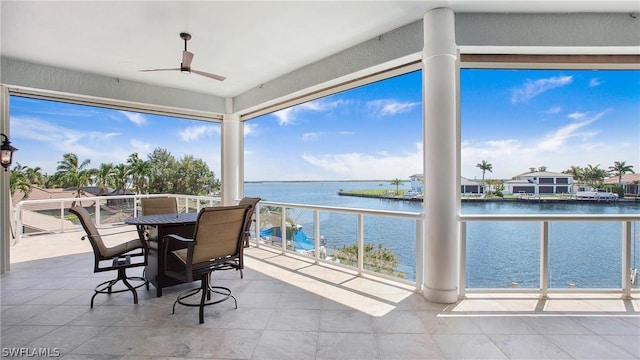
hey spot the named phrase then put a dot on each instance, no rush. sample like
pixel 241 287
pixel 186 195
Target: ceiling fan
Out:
pixel 185 66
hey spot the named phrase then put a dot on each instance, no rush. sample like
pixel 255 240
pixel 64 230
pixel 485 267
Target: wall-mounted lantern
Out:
pixel 6 152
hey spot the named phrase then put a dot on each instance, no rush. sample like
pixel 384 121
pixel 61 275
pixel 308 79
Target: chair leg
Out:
pixel 205 291
pixel 107 286
pixel 204 286
pixel 123 276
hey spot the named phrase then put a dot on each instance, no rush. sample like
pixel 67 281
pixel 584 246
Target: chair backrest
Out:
pixel 99 248
pixel 253 201
pixel 162 205
pixel 219 232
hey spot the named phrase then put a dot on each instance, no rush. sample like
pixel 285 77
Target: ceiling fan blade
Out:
pixel 209 75
pixel 173 69
pixel 186 59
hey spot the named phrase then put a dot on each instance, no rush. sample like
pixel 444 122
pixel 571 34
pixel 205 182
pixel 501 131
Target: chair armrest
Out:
pixel 182 242
pixel 174 237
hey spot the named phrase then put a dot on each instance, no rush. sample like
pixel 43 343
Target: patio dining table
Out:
pixel 157 226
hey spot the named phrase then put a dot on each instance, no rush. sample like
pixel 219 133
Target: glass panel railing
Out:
pixel 394 257
pixel 585 254
pixel 339 232
pixel 503 254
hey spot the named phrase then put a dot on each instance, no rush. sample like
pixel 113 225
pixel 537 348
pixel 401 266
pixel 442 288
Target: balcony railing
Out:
pixel 117 208
pixel 332 232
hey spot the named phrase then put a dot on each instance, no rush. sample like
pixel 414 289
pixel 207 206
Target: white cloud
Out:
pixel 59 137
pixel 287 116
pixel 193 133
pixel 141 147
pixel 594 82
pixel 311 136
pixel 284 116
pixel 346 133
pixel 383 165
pixel 383 107
pixel 534 88
pixel 553 110
pixel 250 128
pixel 137 118
pixel 558 138
pixel 558 149
pixel 577 115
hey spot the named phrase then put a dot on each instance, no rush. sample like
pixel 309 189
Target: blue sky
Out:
pixel 515 119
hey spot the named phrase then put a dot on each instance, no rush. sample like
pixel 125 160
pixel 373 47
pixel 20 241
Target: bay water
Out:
pixel 582 254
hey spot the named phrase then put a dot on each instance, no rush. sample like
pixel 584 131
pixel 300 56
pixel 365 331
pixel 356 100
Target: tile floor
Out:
pixel 289 308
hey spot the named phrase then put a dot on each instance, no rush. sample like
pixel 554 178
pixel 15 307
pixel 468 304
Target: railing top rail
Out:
pixel 549 217
pixel 403 214
pixel 21 203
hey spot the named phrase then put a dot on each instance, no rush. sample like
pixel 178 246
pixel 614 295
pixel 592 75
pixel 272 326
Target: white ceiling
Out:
pixel 248 42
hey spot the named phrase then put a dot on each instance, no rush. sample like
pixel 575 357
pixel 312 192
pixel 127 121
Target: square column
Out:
pixel 231 154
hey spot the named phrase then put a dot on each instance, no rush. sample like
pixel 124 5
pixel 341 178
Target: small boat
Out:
pixel 596 195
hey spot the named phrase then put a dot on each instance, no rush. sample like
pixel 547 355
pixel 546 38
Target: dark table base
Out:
pixel 154 271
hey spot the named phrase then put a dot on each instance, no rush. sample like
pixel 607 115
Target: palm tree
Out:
pixel 34 175
pixel 120 177
pixel 593 175
pixel 104 177
pixel 140 171
pixel 484 166
pixel 620 168
pixel 74 173
pixel 19 181
pixel 397 182
pixel 577 172
pixel 542 169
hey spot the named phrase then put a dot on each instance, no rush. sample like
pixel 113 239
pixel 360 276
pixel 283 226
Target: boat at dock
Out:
pixel 596 195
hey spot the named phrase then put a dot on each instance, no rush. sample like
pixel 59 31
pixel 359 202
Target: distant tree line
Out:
pixel 161 173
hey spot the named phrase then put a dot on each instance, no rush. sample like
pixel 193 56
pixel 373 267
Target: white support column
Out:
pixel 440 157
pixel 5 202
pixel 231 153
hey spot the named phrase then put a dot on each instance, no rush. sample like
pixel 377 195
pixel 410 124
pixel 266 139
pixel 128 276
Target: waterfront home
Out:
pixel 540 183
pixel 472 187
pixel 417 183
pixel 467 186
pixel 630 183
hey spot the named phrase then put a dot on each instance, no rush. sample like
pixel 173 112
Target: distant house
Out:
pixel 630 183
pixel 38 193
pixel 470 186
pixel 417 183
pixel 540 183
pixel 466 186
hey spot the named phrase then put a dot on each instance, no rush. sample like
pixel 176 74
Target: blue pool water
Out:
pixel 498 253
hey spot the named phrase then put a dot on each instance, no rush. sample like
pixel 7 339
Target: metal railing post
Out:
pixel 97 212
pixel 419 255
pixel 626 259
pixel 62 216
pixel 544 259
pixel 360 243
pixel 19 228
pixel 316 234
pixel 283 228
pixel 257 228
pixel 462 275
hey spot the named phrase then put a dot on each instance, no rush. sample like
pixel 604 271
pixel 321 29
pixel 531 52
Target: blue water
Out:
pixel 498 253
